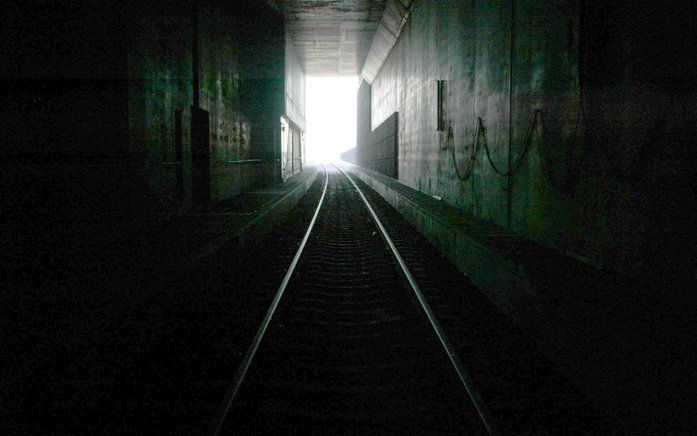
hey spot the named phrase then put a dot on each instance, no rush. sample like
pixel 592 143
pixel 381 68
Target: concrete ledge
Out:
pixel 249 216
pixel 460 238
pixel 597 326
pixel 273 212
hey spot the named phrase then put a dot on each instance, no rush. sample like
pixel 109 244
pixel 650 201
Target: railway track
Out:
pixel 349 344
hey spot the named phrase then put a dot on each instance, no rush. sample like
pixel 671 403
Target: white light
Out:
pixel 330 104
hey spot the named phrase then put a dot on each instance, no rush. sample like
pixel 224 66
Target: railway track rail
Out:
pixel 349 342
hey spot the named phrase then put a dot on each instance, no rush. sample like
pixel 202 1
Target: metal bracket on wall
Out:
pixel 440 94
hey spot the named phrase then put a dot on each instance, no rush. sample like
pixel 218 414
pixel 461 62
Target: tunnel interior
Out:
pixel 161 161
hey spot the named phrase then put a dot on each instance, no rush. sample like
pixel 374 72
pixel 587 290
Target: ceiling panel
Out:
pixel 332 37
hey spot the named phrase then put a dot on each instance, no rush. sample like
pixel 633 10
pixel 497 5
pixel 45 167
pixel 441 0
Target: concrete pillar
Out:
pixel 200 159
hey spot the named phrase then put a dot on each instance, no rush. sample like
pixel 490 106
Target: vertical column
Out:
pixel 195 54
pixel 200 159
pixel 509 176
pixel 200 128
pixel 179 154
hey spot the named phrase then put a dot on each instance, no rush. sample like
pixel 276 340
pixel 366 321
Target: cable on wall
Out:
pixel 480 132
pixel 532 128
pixel 470 161
pixel 480 135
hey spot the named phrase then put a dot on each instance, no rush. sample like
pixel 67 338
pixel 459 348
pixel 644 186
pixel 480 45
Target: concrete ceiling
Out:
pixel 332 37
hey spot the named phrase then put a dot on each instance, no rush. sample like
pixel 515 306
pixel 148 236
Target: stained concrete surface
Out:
pixel 377 149
pixel 332 38
pixel 592 164
pixel 604 176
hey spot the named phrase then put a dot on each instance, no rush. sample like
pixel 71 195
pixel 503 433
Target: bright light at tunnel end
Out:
pixel 330 117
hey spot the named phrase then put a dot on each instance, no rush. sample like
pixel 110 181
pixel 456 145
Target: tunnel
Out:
pixel 503 245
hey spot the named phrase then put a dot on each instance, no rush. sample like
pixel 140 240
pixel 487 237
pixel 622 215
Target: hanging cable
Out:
pixel 470 161
pixel 526 144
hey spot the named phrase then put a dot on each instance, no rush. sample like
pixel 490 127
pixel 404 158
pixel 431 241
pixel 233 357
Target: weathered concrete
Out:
pixel 160 82
pixel 262 65
pixel 332 38
pixel 581 181
pixel 594 98
pixel 377 149
pixel 293 128
pixel 97 115
pixel 393 19
pixel 438 42
pixel 295 85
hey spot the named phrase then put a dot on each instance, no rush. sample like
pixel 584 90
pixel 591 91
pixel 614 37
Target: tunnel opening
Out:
pixel 330 117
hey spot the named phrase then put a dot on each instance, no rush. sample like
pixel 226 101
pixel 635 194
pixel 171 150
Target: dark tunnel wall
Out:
pixel 96 113
pixel 583 187
pixel 240 73
pixel 262 65
pixel 89 86
pixel 231 135
pixel 159 80
pixel 598 99
pixel 92 95
pixel 69 182
pixel 92 172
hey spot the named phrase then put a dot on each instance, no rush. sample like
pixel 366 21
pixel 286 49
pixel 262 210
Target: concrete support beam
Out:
pixel 393 19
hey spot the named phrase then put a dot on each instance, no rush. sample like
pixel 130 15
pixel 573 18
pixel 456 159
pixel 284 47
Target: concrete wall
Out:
pixel 582 187
pixel 88 161
pixel 91 100
pixel 262 63
pixel 438 43
pixel 295 85
pixel 159 78
pixel 294 108
pixel 377 150
pixel 231 135
pixel 160 83
pixel 603 92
